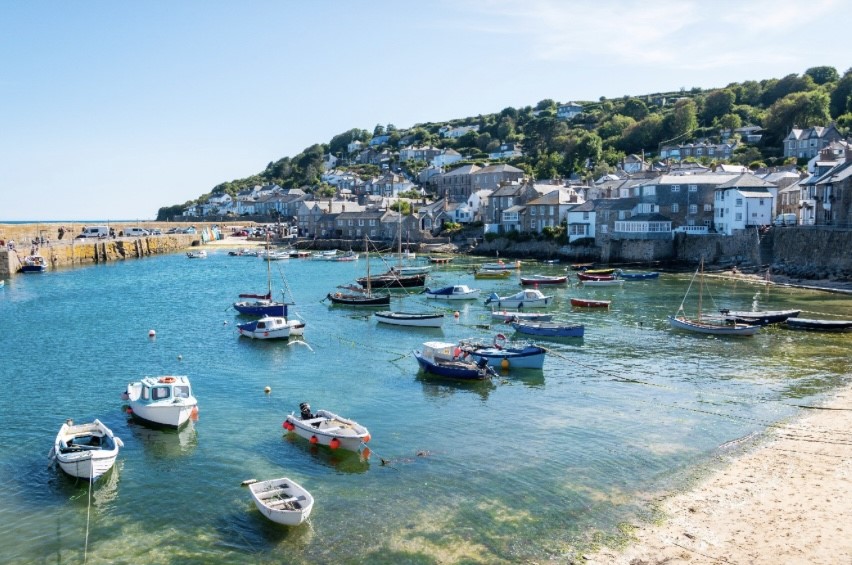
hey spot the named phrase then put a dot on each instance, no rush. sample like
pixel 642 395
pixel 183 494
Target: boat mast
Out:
pixel 700 287
pixel 268 269
pixel 367 254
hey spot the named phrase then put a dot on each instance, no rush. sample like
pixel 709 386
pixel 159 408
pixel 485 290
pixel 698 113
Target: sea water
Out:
pixel 528 466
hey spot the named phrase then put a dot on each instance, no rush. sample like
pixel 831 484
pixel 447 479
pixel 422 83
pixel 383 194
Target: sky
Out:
pixel 111 110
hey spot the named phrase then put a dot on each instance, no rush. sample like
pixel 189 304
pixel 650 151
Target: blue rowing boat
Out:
pixel 549 329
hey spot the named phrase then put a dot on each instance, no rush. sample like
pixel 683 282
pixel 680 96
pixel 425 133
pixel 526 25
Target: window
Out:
pixel 738 217
pixel 739 202
pixel 693 188
pixel 350 223
pixel 181 392
pixel 708 207
pixel 693 208
pixel 372 222
pixel 675 188
pixel 675 208
pixel 159 392
pixel 360 222
pixel 650 190
pixel 532 210
pixel 585 215
pixel 550 208
pixel 145 392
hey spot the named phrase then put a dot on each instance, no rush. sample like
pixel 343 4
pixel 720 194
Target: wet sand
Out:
pixel 789 501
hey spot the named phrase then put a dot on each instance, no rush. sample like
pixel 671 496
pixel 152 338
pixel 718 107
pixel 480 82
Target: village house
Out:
pixel 445 158
pixel 505 207
pixel 414 153
pixel 550 209
pixel 568 111
pixel 357 224
pixel 455 185
pixel 389 184
pixel 456 132
pixel 686 199
pixel 716 151
pixel 824 197
pixel 492 176
pixel 506 151
pixel 581 221
pixel 643 222
pixel 743 202
pixel 807 143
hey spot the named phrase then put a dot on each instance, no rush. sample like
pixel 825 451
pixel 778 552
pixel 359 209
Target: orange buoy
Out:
pixel 194 413
pixel 314 440
pixel 334 443
pixel 366 438
pixel 129 410
pixel 365 453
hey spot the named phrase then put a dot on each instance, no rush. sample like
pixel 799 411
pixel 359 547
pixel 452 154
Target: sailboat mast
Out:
pixel 367 254
pixel 268 269
pixel 700 287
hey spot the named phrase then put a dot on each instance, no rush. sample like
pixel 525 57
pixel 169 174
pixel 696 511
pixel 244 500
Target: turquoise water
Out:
pixel 528 467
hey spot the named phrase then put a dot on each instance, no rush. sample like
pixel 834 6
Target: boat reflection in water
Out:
pixel 162 442
pixel 341 460
pixel 436 387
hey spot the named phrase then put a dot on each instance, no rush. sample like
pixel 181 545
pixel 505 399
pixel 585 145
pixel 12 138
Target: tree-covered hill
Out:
pixel 607 130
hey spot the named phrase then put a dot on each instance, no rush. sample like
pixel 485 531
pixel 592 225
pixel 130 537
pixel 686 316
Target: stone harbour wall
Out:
pixel 811 252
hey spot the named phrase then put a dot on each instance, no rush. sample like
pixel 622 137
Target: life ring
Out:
pixel 167 379
pixel 499 341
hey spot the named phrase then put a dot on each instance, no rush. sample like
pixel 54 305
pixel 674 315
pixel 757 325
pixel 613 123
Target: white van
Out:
pixel 95 231
pixel 785 220
pixel 136 232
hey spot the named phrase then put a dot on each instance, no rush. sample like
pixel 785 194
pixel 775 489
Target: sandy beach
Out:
pixel 789 501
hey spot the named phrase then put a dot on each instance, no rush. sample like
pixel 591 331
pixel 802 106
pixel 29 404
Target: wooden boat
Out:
pixel 491 274
pixel 527 298
pixel 262 304
pixel 358 296
pixel 637 276
pixel 500 266
pixel 607 271
pixel 440 260
pixel 416 319
pixel 589 303
pixel 165 401
pixel 85 451
pixel 448 360
pixel 585 277
pixel 200 254
pixel 761 318
pixel 698 325
pixel 33 264
pixel 454 292
pixel 509 316
pixel 407 270
pixel 326 428
pixel 533 280
pixel 282 500
pixel 394 280
pixel 549 329
pixel 272 327
pixel 603 282
pixel 580 266
pixel 501 355
pixel 819 325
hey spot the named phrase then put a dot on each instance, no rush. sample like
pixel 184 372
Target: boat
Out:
pixel 491 274
pixel 500 266
pixel 274 255
pixel 262 304
pixel 421 320
pixel 324 255
pixel 637 276
pixel 326 428
pixel 533 280
pixel 589 303
pixel 580 266
pixel 603 282
pixel 166 401
pixel 282 500
pixel 508 316
pixel 33 264
pixel 244 252
pixel 86 451
pixel 698 324
pixel 299 254
pixel 759 317
pixel 527 298
pixel 440 260
pixel 357 296
pixel 407 270
pixel 502 355
pixel 607 271
pixel 394 280
pixel 348 256
pixel 549 329
pixel 585 277
pixel 448 360
pixel 453 292
pixel 272 327
pixel 818 325
pixel 200 254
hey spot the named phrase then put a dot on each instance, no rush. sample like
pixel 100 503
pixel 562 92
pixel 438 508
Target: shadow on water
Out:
pixel 441 387
pixel 532 378
pixel 161 442
pixel 341 460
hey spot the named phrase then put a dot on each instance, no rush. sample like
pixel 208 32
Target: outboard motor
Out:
pixel 306 411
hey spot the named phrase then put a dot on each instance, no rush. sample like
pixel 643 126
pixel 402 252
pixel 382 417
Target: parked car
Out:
pixel 94 231
pixel 136 232
pixel 156 231
pixel 189 230
pixel 785 220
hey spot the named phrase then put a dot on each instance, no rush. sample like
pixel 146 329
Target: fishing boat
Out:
pixel 270 255
pixel 509 316
pixel 165 401
pixel 394 280
pixel 416 319
pixel 491 274
pixel 324 255
pixel 580 266
pixel 533 280
pixel 502 355
pixel 603 282
pixel 352 295
pixel 272 327
pixel 348 256
pixel 501 266
pixel 701 325
pixel 33 264
pixel 244 252
pixel 527 298
pixel 585 277
pixel 590 303
pixel 440 260
pixel 819 325
pixel 448 360
pixel 262 304
pixel 199 254
pixel 453 292
pixel 282 500
pixel 759 317
pixel 549 329
pixel 637 276
pixel 86 451
pixel 299 254
pixel 326 428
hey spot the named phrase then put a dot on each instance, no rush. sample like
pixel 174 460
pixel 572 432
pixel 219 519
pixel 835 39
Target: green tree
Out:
pixel 682 121
pixel 546 104
pixel 717 104
pixel 801 109
pixel 634 108
pixel 730 121
pixel 378 130
pixel 548 166
pixel 822 75
pixel 646 133
pixel 840 96
pixel 790 84
pixel 614 127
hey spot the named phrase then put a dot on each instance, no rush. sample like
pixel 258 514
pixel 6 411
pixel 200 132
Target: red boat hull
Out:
pixel 585 303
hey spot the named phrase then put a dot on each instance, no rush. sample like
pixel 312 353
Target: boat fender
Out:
pixel 334 443
pixel 314 440
pixel 167 379
pixel 499 341
pixel 457 352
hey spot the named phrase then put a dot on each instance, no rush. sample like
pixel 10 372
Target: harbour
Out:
pixel 529 466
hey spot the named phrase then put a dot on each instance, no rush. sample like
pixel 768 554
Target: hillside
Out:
pixel 595 141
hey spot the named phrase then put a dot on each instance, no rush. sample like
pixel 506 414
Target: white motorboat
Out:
pixel 416 319
pixel 454 292
pixel 501 266
pixel 527 298
pixel 85 451
pixel 272 327
pixel 282 500
pixel 327 428
pixel 166 401
pixel 200 254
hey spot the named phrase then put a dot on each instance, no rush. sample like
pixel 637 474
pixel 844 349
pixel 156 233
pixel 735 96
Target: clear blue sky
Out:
pixel 110 110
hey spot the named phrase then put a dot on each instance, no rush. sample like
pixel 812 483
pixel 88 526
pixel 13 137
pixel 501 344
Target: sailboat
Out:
pixel 680 322
pixel 262 305
pixel 401 269
pixel 357 296
pixel 398 276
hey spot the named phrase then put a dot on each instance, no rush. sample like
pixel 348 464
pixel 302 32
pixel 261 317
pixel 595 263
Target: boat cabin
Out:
pixel 158 389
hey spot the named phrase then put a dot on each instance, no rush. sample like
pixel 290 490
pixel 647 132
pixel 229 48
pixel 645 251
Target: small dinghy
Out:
pixel 549 329
pixel 85 451
pixel 282 500
pixel 200 254
pixel 819 325
pixel 534 280
pixel 589 303
pixel 448 360
pixel 509 316
pixel 416 319
pixel 760 318
pixel 327 428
